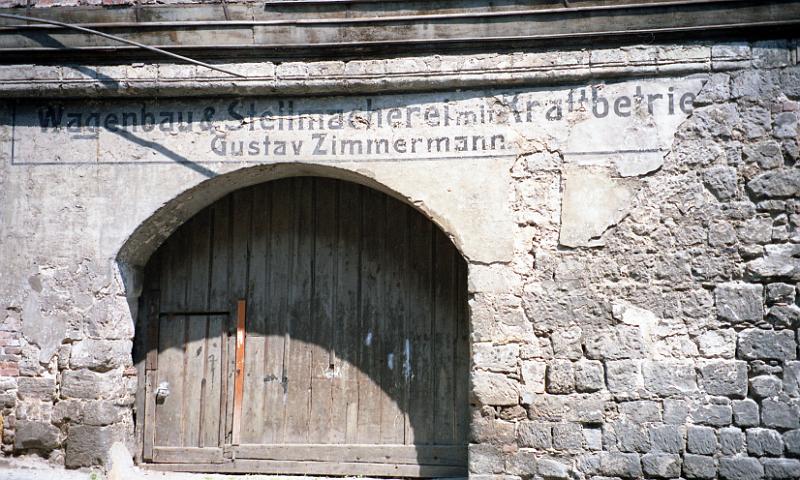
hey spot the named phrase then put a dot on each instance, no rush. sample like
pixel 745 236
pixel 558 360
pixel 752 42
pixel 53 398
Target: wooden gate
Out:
pixel 351 356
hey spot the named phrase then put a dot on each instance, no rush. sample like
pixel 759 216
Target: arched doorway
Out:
pixel 306 326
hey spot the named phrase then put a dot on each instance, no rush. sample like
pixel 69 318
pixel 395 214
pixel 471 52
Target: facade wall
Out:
pixel 633 279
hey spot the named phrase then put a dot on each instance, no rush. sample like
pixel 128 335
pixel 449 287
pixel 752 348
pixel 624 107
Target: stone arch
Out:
pixel 148 237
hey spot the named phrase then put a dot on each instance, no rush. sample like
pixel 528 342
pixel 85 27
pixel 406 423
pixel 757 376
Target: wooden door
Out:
pixel 355 357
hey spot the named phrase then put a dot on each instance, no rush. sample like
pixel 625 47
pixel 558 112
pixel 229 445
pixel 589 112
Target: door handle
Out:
pixel 162 392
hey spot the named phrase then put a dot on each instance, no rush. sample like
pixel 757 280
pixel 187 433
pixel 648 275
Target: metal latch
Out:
pixel 162 392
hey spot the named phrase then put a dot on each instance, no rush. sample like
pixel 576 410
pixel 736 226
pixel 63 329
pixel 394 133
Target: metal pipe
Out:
pixel 121 40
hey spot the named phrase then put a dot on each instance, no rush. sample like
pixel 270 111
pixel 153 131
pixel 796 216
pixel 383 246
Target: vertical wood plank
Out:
pixel 444 339
pixel 299 367
pixel 323 372
pixel 346 332
pixel 257 289
pixel 419 429
pixel 392 320
pixel 151 363
pixel 462 360
pixel 371 357
pixel 278 265
pixel 220 299
pixel 195 402
pixel 238 385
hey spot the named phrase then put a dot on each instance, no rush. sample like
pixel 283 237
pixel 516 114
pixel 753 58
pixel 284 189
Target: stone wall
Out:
pixel 670 351
pixel 661 344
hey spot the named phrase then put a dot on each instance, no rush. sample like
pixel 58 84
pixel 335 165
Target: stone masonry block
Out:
pixel 701 440
pixel 724 378
pixel 560 377
pixel 667 438
pixel 745 413
pixel 589 376
pixel 740 468
pixel 494 389
pixel 698 466
pixel 781 468
pixel 779 414
pixel 757 344
pixel 661 465
pixel 739 302
pixel 535 435
pixel 731 441
pixel 625 465
pixel 667 378
pixel 763 441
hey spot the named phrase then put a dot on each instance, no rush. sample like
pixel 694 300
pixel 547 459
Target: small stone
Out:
pixel 640 411
pixel 661 465
pixel 90 385
pixel 779 414
pixel 560 377
pixel 767 155
pixel 784 316
pixel 521 463
pixel 632 437
pixel 739 303
pixel 782 183
pixel 745 413
pixel 724 378
pixel 791 378
pixel 101 355
pixel 697 466
pixel 701 440
pixel 38 388
pixel 485 459
pixel 593 438
pixel 740 468
pixel 757 344
pixel 779 262
pixel 762 441
pixel 589 376
pixel 785 125
pixel 534 435
pixel 714 414
pixel 616 343
pixel 765 386
pixel 717 343
pixel 780 293
pixel 731 440
pixel 516 412
pixel 721 182
pixel 533 376
pixel 781 468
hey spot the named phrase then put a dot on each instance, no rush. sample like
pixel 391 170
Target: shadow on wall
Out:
pixel 357 328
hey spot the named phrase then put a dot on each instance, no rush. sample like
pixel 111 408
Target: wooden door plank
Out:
pixel 444 339
pixel 392 321
pixel 257 289
pixel 346 332
pixel 371 357
pixel 399 454
pixel 187 455
pixel 323 371
pixel 280 242
pixel 461 408
pixel 238 383
pixel 213 374
pixel 195 402
pixel 316 468
pixel 299 368
pixel 150 415
pixel 419 424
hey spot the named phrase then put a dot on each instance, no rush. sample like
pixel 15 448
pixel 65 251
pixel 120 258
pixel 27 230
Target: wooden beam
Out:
pixel 238 385
pixel 314 468
pixel 452 455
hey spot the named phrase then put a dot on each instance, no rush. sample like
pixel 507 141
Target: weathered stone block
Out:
pixel 731 441
pixel 496 358
pixel 552 468
pixel 779 262
pixel 624 377
pixel 784 316
pixel 90 385
pixel 725 378
pixel 717 343
pixel 661 465
pixel 494 389
pixel 745 413
pixel 560 377
pixel 101 355
pixel 40 436
pixel 485 459
pixel 567 436
pixel 535 435
pixel 767 155
pixel 762 441
pixel 667 438
pixel 791 441
pixel 739 302
pixel 38 388
pixel 667 378
pixel 780 293
pixel 626 465
pixel 740 468
pixel 632 437
pixel 783 183
pixel 640 411
pixel 757 344
pixel 589 376
pixel 781 468
pixel 567 343
pixel 721 182
pixel 698 466
pixel 779 414
pixel 533 376
pixel 701 440
pixel 616 343
pixel 764 386
pixel 521 463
